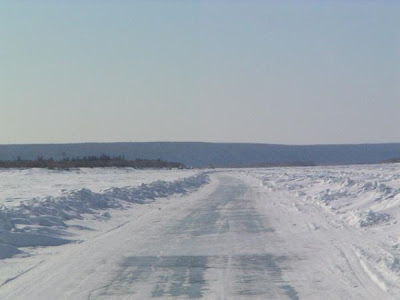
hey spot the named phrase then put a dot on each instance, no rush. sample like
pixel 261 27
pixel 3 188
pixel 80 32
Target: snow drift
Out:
pixel 43 221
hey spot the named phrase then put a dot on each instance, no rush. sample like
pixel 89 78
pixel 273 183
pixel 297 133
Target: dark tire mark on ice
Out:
pixel 183 276
pixel 257 270
pixel 173 276
pixel 290 292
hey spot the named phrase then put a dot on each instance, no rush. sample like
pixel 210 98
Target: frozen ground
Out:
pixel 279 233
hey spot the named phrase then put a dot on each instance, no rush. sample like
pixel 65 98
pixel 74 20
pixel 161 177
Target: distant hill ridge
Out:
pixel 198 154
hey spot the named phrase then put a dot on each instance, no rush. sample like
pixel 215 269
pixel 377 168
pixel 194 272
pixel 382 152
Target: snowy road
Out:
pixel 233 239
pixel 214 249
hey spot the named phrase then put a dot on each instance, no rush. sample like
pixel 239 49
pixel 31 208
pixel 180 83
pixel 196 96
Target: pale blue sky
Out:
pixel 292 72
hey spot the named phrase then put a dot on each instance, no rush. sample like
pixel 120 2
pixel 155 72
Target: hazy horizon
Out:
pixel 266 72
pixel 195 142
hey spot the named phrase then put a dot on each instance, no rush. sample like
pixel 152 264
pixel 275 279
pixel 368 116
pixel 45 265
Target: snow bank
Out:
pixel 358 208
pixel 42 221
pixel 367 219
pixel 18 185
pixel 363 196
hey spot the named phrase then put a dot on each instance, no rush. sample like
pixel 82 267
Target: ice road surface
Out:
pixel 278 233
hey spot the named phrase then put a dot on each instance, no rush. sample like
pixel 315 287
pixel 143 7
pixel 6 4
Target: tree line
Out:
pixel 91 161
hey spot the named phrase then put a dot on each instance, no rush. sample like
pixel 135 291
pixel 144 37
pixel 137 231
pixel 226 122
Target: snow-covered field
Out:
pixel 335 229
pixel 18 185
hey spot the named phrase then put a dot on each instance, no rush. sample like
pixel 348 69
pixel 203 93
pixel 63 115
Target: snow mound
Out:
pixel 42 221
pixel 372 218
pixel 7 251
